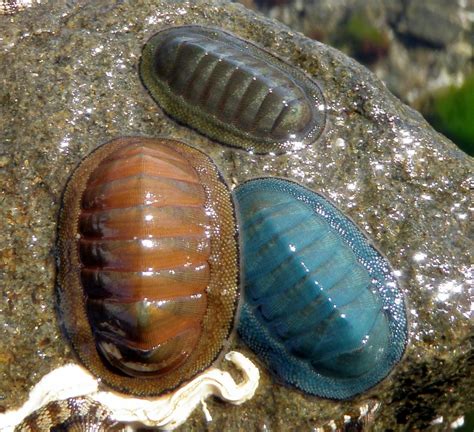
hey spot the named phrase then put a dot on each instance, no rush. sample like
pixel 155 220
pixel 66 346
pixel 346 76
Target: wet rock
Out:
pixel 69 82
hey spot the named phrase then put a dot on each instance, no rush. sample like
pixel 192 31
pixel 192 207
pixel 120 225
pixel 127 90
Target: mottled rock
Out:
pixel 436 22
pixel 69 81
pixel 414 46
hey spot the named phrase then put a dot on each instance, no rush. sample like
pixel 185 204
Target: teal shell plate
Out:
pixel 322 307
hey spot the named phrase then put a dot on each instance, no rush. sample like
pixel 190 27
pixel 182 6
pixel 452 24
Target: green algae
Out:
pixel 451 112
pixel 361 39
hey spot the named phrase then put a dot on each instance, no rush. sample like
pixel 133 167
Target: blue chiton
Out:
pixel 321 305
pixel 148 265
pixel 232 90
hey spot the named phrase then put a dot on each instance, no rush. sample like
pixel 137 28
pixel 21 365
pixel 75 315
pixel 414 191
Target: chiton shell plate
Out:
pixel 321 306
pixel 148 264
pixel 232 90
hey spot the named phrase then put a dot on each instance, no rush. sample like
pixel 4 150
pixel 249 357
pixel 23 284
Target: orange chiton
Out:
pixel 148 263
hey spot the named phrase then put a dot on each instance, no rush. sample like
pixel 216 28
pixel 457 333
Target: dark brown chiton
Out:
pixel 148 265
pixel 232 90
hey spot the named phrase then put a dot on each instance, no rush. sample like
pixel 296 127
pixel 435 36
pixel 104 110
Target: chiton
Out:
pixel 321 305
pixel 232 90
pixel 76 414
pixel 148 265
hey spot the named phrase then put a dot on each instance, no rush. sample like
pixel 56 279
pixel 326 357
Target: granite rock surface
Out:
pixel 69 82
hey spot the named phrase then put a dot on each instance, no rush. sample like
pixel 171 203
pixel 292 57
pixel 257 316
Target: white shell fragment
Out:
pixel 165 412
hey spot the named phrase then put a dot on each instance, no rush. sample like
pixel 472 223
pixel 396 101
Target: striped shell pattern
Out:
pixel 232 90
pixel 321 306
pixel 148 279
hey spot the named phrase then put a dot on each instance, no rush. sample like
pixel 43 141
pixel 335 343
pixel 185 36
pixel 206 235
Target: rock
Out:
pixel 69 83
pixel 436 22
pixel 414 46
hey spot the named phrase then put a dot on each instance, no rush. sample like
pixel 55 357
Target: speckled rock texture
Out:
pixel 69 82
